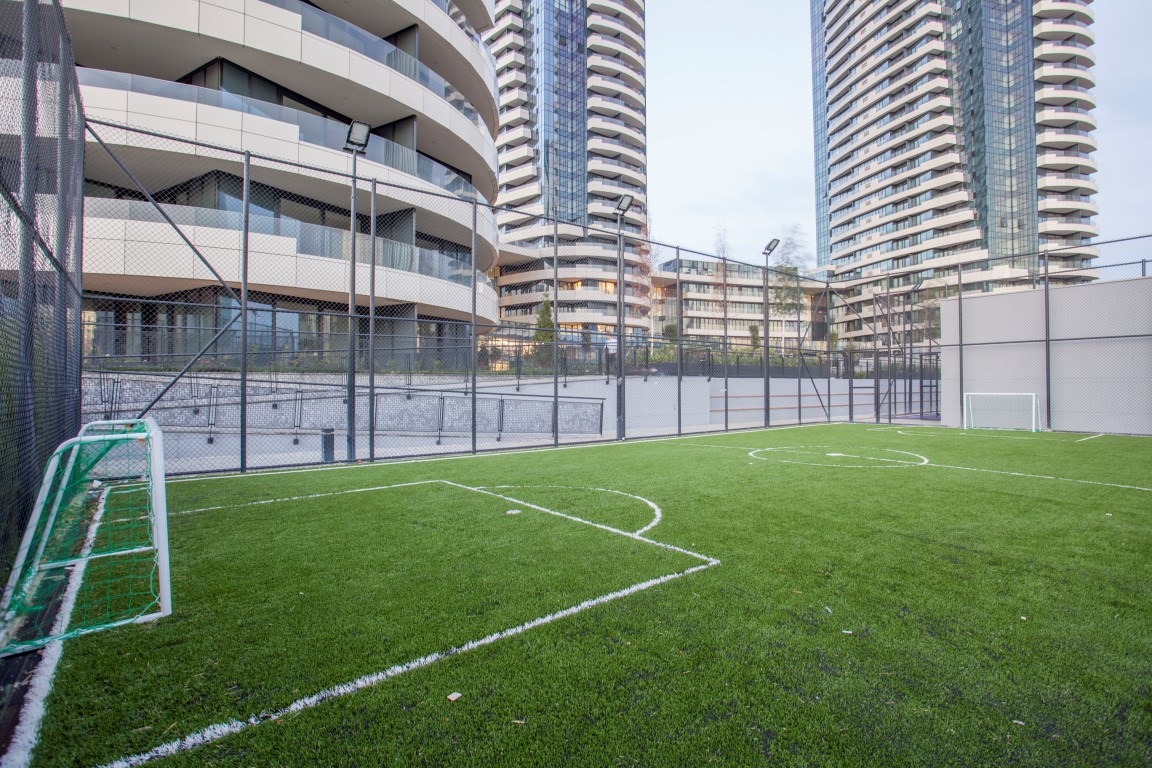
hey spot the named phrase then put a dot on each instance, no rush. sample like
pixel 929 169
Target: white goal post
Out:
pixel 1002 410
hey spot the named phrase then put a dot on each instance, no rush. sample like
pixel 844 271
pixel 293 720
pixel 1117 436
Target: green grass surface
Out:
pixel 996 619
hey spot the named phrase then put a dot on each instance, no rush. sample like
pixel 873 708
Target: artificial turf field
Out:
pixel 826 595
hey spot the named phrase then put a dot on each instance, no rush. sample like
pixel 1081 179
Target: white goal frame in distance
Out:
pixel 1010 403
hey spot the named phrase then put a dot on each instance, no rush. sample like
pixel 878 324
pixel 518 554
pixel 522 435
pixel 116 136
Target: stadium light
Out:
pixel 770 247
pixel 358 134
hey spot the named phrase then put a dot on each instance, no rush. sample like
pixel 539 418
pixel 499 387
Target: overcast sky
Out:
pixel 730 121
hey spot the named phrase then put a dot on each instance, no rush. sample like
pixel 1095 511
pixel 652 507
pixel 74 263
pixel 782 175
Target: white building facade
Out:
pixel 284 79
pixel 949 133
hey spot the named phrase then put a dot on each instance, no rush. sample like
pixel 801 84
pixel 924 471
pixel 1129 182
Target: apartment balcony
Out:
pixel 513 116
pixel 1078 10
pixel 613 27
pixel 513 97
pixel 611 67
pixel 516 155
pixel 610 86
pixel 1066 72
pixel 1063 204
pixel 1070 117
pixel 1067 160
pixel 612 168
pixel 610 46
pixel 628 12
pixel 614 107
pixel 521 174
pixel 513 137
pixel 1067 183
pixel 1065 95
pixel 124 239
pixel 599 145
pixel 1063 226
pixel 520 194
pixel 1065 50
pixel 1066 138
pixel 1064 29
pixel 508 41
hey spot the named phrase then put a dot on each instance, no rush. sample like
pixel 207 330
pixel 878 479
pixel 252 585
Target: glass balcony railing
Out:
pixel 311 239
pixel 313 129
pixel 336 30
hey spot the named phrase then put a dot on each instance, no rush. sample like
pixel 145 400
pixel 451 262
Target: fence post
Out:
pixel 724 348
pixel 679 349
pixel 350 414
pixel 28 459
pixel 960 337
pixel 799 343
pixel 372 326
pixel 474 351
pixel 245 223
pixel 1047 345
pixel 764 347
pixel 555 325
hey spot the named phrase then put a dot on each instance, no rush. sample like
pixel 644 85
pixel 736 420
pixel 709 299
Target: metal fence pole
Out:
pixel 555 325
pixel 28 459
pixel 620 385
pixel 724 299
pixel 960 336
pixel 77 356
pixel 352 334
pixel 679 348
pixel 1047 345
pixel 60 335
pixel 372 326
pixel 474 352
pixel 799 343
pixel 766 357
pixel 245 223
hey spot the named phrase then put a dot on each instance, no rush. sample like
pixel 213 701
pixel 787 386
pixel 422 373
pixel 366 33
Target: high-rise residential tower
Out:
pixel 571 144
pixel 948 133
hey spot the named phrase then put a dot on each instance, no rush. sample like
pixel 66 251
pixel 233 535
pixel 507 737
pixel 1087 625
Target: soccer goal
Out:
pixel 95 551
pixel 1002 410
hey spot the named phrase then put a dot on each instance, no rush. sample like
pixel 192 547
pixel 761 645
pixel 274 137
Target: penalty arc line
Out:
pixel 658 514
pixel 216 732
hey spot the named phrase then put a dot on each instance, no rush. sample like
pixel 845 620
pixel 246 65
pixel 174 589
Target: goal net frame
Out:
pixel 112 469
pixel 1018 410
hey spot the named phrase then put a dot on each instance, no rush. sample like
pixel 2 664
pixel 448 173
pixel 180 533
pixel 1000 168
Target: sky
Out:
pixel 730 122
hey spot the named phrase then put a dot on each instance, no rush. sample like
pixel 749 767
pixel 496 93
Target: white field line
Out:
pixel 483 455
pixel 610 529
pixel 1093 437
pixel 657 513
pixel 1041 477
pixel 24 738
pixel 216 732
pixel 304 498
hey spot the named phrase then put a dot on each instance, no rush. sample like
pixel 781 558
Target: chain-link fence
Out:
pixel 41 173
pixel 271 313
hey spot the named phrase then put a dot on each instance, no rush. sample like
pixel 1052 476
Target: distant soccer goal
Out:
pixel 1002 410
pixel 95 552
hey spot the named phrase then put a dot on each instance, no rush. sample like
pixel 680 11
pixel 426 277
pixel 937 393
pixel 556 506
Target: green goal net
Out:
pixel 95 552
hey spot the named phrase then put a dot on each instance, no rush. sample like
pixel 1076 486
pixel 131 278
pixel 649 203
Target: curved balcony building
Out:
pixel 571 143
pixel 922 170
pixel 201 82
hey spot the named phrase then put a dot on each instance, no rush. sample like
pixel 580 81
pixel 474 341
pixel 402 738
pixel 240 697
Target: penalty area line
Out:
pixel 1041 477
pixel 216 732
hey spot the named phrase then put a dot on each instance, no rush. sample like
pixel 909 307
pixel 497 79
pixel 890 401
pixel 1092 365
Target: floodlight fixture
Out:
pixel 358 134
pixel 771 246
pixel 624 203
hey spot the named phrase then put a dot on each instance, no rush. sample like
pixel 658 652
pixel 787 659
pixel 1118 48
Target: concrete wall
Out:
pixel 1101 353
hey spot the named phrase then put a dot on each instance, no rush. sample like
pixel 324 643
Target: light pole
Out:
pixel 357 144
pixel 622 206
pixel 764 333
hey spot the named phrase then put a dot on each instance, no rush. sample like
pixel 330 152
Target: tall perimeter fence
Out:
pixel 217 301
pixel 41 177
